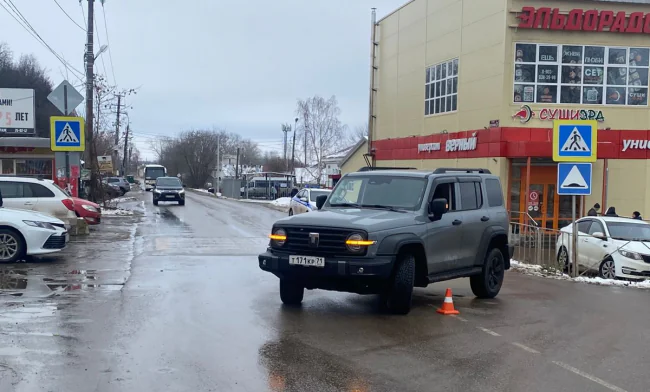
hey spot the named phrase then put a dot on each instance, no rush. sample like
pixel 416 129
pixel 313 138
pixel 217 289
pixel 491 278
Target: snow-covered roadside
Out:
pixel 205 191
pixel 117 212
pixel 538 270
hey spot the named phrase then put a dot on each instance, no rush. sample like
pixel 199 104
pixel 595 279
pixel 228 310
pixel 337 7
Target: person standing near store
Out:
pixel 593 211
pixel 611 211
pixel 636 215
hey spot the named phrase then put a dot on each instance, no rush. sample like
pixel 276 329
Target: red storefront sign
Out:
pixel 579 19
pixel 525 114
pixel 510 143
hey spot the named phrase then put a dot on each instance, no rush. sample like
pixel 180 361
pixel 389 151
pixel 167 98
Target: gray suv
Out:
pixel 387 231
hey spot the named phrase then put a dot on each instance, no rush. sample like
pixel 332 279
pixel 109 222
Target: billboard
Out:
pixel 17 112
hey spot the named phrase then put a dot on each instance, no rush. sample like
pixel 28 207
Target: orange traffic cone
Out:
pixel 448 305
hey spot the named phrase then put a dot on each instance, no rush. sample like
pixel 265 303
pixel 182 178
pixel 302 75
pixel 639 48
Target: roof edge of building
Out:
pixel 395 10
pixel 38 142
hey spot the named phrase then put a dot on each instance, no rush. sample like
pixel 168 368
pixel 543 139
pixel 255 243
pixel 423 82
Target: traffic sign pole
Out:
pixel 574 237
pixel 67 153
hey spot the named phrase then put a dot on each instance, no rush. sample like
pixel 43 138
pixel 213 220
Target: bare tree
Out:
pixel 358 133
pixel 324 132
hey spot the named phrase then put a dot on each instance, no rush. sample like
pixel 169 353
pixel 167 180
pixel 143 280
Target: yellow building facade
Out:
pixel 495 74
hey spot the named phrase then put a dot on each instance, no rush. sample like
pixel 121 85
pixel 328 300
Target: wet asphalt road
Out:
pixel 173 300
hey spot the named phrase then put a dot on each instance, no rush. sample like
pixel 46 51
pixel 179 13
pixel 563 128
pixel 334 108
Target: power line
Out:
pixel 108 42
pixel 83 14
pixel 24 23
pixel 69 17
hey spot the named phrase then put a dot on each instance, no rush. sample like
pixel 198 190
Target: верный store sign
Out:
pixel 584 20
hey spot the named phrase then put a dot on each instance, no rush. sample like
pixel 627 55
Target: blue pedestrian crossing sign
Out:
pixel 67 134
pixel 574 179
pixel 575 140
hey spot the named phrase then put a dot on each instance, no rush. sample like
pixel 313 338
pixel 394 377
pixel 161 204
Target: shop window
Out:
pixel 8 166
pixel 34 168
pixel 441 88
pixel 579 74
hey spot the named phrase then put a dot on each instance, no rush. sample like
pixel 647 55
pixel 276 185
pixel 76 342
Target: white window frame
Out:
pixel 431 81
pixel 603 99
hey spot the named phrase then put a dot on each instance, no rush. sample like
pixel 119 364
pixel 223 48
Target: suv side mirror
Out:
pixel 320 201
pixel 437 208
pixel 600 236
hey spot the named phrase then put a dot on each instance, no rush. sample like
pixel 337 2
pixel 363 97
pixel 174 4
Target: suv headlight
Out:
pixel 630 255
pixel 43 225
pixel 156 190
pixel 356 243
pixel 278 237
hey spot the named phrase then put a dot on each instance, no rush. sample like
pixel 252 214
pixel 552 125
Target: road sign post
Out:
pixel 575 142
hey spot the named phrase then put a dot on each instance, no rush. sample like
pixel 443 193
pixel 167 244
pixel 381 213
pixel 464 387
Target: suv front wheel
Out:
pixel 398 294
pixel 291 292
pixel 488 283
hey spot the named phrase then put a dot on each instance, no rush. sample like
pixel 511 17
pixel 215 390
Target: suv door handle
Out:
pixel 485 219
pixel 456 222
pixel 29 203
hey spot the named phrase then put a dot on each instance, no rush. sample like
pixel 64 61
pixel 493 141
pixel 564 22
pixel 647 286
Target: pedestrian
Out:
pixel 636 215
pixel 611 211
pixel 294 192
pixel 593 211
pixel 273 192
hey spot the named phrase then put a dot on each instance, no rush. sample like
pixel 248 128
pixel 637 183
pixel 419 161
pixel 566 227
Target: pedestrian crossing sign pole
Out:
pixel 575 144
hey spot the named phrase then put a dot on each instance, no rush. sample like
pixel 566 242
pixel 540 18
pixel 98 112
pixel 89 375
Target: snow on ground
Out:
pixel 545 272
pixel 117 212
pixel 121 199
pixel 201 190
pixel 282 202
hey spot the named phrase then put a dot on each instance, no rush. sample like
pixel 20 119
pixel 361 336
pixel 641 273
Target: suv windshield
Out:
pixel 169 182
pixel 379 191
pixel 629 231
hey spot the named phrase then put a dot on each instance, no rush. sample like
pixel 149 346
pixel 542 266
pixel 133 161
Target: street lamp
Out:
pixel 293 148
pixel 102 49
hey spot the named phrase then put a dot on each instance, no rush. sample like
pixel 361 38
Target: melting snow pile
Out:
pixel 201 191
pixel 281 202
pixel 116 212
pixel 545 272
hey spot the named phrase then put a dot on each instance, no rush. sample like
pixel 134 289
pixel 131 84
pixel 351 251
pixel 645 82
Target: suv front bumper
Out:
pixel 377 268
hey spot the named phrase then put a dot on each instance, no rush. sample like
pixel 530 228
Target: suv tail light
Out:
pixel 68 203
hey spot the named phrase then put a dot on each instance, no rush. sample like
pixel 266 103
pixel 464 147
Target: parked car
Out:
pixel 29 233
pixel 168 189
pixel 305 200
pixel 37 195
pixel 89 211
pixel 614 247
pixel 111 191
pixel 385 232
pixel 121 182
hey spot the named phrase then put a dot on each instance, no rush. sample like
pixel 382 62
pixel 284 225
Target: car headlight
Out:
pixel 630 255
pixel 156 191
pixel 356 243
pixel 181 191
pixel 42 225
pixel 89 208
pixel 278 237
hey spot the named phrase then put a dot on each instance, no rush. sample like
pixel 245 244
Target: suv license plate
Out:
pixel 308 261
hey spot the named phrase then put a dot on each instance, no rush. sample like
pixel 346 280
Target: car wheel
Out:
pixel 488 283
pixel 607 269
pixel 12 246
pixel 563 259
pixel 290 212
pixel 398 295
pixel 155 202
pixel 291 292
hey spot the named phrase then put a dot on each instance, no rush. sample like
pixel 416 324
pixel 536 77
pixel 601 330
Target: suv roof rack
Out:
pixel 442 170
pixel 368 168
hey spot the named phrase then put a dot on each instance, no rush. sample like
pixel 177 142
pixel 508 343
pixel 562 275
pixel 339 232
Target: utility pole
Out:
pixel 305 125
pixel 126 142
pixel 117 132
pixel 237 165
pixel 216 188
pixel 286 129
pixel 128 162
pixel 293 148
pixel 90 78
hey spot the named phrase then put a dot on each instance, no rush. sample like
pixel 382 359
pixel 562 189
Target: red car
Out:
pixel 88 210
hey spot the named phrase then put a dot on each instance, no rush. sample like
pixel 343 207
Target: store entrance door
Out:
pixel 544 205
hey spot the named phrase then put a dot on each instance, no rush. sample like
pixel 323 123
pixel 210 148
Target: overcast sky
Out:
pixel 234 64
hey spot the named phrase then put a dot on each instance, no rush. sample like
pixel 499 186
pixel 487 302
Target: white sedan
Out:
pixel 29 233
pixel 305 200
pixel 615 247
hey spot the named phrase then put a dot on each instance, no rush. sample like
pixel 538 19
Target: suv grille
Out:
pixel 330 241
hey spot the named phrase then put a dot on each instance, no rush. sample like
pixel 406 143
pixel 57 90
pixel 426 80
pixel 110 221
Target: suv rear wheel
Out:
pixel 488 283
pixel 291 292
pixel 397 297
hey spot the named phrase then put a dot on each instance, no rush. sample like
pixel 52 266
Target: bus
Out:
pixel 151 173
